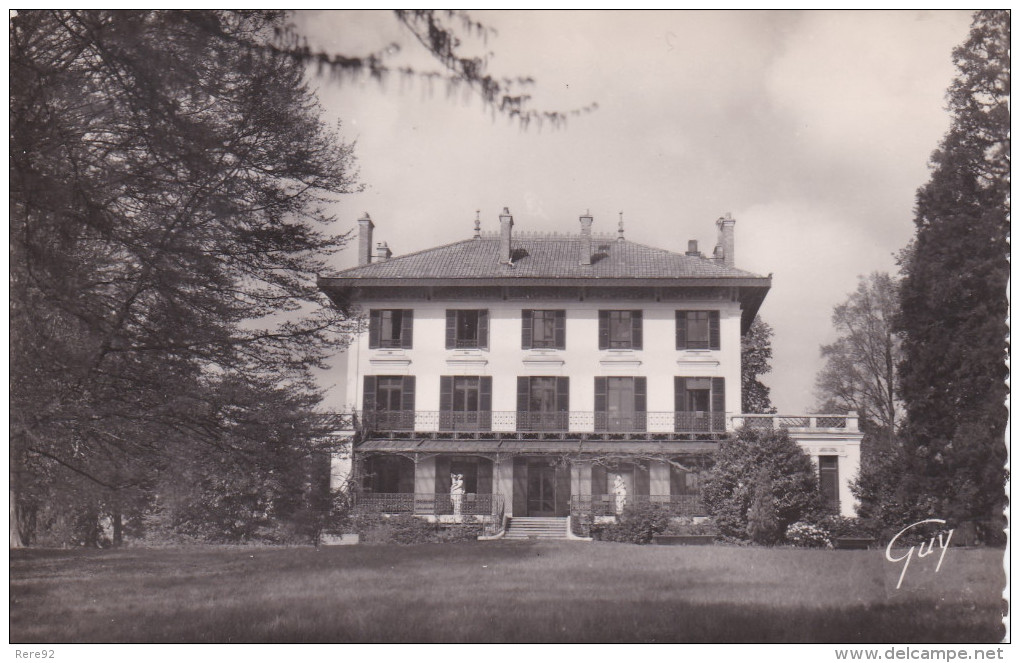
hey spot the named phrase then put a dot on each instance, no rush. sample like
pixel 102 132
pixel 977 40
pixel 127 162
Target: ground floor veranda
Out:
pixel 470 482
pixel 482 474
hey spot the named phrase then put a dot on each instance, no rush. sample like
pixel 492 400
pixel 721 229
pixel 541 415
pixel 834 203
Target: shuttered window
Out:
pixel 388 402
pixel 467 329
pixel 543 329
pixel 700 403
pixel 620 330
pixel 621 403
pixel 697 330
pixel 465 402
pixel 543 403
pixel 390 328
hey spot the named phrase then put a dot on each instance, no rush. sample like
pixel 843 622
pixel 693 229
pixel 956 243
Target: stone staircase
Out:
pixel 536 528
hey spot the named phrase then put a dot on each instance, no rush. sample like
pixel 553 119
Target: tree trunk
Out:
pixel 118 529
pixel 16 539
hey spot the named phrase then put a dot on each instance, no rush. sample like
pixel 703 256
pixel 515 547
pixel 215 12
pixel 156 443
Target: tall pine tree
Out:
pixel 953 295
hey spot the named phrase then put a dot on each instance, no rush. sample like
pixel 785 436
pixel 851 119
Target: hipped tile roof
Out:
pixel 555 257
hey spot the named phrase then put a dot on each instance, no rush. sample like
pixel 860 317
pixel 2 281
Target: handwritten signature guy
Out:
pixel 920 549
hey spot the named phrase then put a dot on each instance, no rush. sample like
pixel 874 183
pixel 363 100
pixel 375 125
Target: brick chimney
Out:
pixel 586 221
pixel 382 252
pixel 365 227
pixel 724 250
pixel 506 224
pixel 692 248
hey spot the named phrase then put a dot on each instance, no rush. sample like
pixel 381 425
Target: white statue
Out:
pixel 620 491
pixel 457 492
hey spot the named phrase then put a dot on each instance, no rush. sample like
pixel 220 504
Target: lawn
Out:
pixel 530 591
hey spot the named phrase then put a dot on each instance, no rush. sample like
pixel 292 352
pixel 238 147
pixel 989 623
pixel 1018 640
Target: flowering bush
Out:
pixel 806 535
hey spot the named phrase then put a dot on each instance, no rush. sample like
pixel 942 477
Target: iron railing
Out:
pixel 514 421
pixel 430 504
pixel 612 505
pixel 583 422
pixel 844 421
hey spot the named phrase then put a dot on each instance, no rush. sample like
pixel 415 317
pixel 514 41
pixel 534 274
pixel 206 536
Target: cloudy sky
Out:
pixel 813 129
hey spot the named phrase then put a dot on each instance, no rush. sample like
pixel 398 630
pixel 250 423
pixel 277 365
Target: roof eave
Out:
pixel 693 281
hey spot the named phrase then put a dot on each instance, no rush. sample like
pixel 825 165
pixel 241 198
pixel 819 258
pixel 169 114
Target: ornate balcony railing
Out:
pixel 430 504
pixel 612 505
pixel 513 421
pixel 825 421
pixel 585 422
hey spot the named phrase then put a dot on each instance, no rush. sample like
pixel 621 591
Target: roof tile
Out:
pixel 555 257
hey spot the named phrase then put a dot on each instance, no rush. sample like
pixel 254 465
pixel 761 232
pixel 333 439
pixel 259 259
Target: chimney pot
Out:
pixel 586 221
pixel 692 247
pixel 382 252
pixel 506 224
pixel 365 227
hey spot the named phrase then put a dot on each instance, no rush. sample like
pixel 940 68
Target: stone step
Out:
pixel 527 527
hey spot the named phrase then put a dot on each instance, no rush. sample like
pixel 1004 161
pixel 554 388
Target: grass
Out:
pixel 501 592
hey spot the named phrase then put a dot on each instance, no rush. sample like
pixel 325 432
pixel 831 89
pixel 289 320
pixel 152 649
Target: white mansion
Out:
pixel 548 375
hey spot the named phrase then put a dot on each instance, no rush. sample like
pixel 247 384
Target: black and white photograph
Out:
pixel 509 327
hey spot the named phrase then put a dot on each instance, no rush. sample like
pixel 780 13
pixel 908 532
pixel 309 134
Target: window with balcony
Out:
pixel 390 328
pixel 465 402
pixel 543 403
pixel 620 404
pixel 388 402
pixel 697 330
pixel 467 329
pixel 700 404
pixel 543 329
pixel 620 330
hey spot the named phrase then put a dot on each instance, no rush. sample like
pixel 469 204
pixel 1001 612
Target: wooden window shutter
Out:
pixel 599 481
pixel 407 394
pixel 523 393
pixel 443 482
pixel 641 394
pixel 603 330
pixel 526 328
pixel 374 328
pixel 520 493
pixel 484 474
pixel 451 329
pixel 561 501
pixel 713 330
pixel 561 330
pixel 407 328
pixel 483 329
pixel 601 394
pixel 563 394
pixel 680 394
pixel 485 393
pixel 446 393
pixel 635 333
pixel 681 330
pixel 718 394
pixel 642 480
pixel 369 396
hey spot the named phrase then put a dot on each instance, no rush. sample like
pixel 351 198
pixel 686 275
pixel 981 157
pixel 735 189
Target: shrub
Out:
pixel 409 530
pixel 729 489
pixel 637 524
pixel 838 526
pixel 685 526
pixel 806 535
